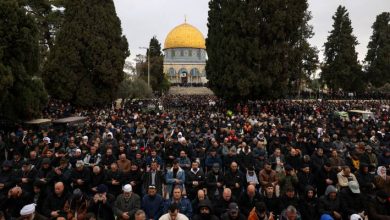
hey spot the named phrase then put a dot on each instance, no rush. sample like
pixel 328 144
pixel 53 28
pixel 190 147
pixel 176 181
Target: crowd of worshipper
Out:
pixel 199 158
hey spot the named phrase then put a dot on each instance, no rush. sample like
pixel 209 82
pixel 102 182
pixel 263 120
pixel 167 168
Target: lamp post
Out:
pixel 148 52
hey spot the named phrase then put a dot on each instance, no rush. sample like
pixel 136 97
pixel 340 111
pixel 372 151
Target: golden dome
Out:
pixel 185 36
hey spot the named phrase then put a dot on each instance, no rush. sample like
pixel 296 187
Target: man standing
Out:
pixel 194 180
pixel 153 177
pixel 101 204
pixel 127 203
pixel 153 204
pixel 183 204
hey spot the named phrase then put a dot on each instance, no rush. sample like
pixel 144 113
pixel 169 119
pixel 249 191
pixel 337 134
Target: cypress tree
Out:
pixel 86 63
pixel 378 54
pixel 22 95
pixel 158 80
pixel 255 47
pixel 341 69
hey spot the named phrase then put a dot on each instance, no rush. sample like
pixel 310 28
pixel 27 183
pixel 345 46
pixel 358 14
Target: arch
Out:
pixel 171 72
pixel 194 72
pixel 183 72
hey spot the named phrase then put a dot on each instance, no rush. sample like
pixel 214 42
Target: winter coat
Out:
pixel 211 184
pixel 54 203
pixel 211 216
pixel 84 175
pixel 351 203
pixel 153 206
pixel 130 205
pixel 170 181
pixel 102 210
pixel 378 210
pixel 247 204
pixel 320 178
pixel 115 190
pixel 328 206
pixel 231 179
pixel 158 181
pixel 192 176
pixel 184 204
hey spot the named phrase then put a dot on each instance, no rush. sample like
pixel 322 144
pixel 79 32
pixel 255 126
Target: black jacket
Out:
pixel 231 179
pixel 190 177
pixel 118 176
pixel 247 204
pixel 54 203
pixel 328 206
pixel 211 216
pixel 221 206
pixel 102 210
pixel 84 175
pixel 378 210
pixel 211 183
pixel 351 203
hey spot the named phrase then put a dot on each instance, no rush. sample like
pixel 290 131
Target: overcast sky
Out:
pixel 142 19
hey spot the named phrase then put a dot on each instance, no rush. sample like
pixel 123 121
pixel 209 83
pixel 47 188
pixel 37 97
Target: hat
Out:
pixel 78 150
pixel 77 193
pixel 330 189
pixel 47 139
pixel 85 137
pixel 354 186
pixel 233 207
pixel 127 188
pixel 326 217
pixel 355 217
pixel 46 161
pixel 26 162
pixel 152 187
pixel 27 209
pixel 101 188
pixel 79 163
pixel 7 163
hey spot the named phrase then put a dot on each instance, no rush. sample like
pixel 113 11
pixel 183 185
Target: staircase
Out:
pixel 190 91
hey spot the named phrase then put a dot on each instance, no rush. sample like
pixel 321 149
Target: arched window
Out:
pixel 195 72
pixel 171 72
pixel 183 72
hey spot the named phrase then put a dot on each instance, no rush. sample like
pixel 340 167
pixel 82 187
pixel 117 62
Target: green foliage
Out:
pixel 378 54
pixel 158 80
pixel 85 65
pixel 134 89
pixel 22 96
pixel 341 69
pixel 257 48
pixel 48 19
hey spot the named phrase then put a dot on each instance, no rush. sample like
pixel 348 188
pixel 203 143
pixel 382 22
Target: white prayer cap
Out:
pixel 127 188
pixel 28 209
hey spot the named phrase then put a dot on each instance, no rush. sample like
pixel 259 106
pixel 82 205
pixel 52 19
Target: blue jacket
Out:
pixel 170 181
pixel 153 206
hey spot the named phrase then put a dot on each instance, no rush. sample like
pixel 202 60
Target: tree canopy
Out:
pixel 256 49
pixel 341 64
pixel 85 65
pixel 22 95
pixel 378 54
pixel 158 81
